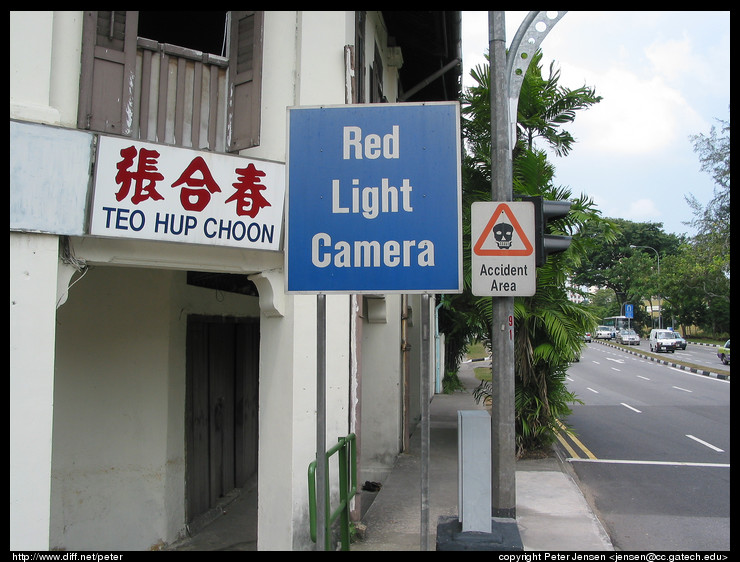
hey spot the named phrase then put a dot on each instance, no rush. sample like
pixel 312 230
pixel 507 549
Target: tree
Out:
pixel 548 326
pixel 698 294
pixel 714 155
pixel 617 266
pixel 712 242
pixel 545 105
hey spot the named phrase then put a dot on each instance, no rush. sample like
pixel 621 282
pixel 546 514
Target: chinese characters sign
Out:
pixel 156 192
pixel 373 202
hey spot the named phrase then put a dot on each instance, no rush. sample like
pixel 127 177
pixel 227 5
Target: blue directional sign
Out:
pixel 628 311
pixel 374 199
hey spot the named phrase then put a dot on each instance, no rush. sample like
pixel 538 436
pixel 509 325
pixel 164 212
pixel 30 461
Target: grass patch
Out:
pixel 477 351
pixel 482 373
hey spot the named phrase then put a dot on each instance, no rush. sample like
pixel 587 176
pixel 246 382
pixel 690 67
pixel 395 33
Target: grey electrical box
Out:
pixel 474 470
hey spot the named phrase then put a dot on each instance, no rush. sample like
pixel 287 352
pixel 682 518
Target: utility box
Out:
pixel 474 470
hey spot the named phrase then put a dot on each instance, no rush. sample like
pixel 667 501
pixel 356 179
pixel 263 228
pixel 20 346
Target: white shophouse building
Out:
pixel 151 376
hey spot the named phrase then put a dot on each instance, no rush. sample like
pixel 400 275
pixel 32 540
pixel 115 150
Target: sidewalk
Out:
pixel 551 512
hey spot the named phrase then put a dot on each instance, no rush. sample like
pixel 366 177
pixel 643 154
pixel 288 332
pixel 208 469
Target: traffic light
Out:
pixel 544 211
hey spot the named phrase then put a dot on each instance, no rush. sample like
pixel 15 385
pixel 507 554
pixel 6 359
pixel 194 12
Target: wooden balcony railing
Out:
pixel 180 97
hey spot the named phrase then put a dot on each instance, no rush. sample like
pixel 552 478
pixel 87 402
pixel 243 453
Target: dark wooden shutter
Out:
pixel 107 74
pixel 245 80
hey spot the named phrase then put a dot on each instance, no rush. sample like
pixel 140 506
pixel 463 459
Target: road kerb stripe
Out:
pixel 661 463
pixel 567 446
pixel 580 445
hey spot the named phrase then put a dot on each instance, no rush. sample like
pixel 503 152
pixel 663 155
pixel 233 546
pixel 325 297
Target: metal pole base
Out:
pixel 504 536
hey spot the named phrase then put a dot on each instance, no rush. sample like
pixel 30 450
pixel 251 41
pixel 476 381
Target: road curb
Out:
pixel 707 344
pixel 720 376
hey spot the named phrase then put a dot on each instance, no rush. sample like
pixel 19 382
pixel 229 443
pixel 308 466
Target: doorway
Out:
pixel 221 409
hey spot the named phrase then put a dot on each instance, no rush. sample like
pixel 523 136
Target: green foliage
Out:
pixel 537 421
pixel 692 283
pixel 451 383
pixel 693 280
pixel 545 105
pixel 548 327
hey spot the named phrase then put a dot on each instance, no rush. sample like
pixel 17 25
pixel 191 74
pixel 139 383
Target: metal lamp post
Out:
pixel 507 75
pixel 660 299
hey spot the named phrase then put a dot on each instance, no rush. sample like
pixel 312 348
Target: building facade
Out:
pixel 152 373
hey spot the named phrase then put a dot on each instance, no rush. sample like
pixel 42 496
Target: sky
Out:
pixel 663 76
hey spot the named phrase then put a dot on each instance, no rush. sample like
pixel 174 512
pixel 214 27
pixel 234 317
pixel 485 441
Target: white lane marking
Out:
pixel 641 377
pixel 631 408
pixel 592 390
pixel 683 389
pixel 705 443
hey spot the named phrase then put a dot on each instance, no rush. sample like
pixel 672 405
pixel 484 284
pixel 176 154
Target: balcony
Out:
pixel 180 96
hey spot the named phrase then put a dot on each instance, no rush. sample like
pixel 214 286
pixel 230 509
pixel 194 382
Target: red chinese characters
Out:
pixel 198 192
pixel 145 177
pixel 196 183
pixel 248 196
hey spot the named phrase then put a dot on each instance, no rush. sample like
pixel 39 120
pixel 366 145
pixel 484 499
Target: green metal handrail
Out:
pixel 347 490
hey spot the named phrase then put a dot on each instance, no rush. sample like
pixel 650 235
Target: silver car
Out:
pixel 628 337
pixel 680 342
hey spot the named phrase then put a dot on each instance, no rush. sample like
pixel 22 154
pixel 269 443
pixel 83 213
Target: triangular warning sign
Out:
pixel 503 209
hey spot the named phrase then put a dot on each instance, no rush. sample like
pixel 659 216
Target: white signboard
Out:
pixel 157 192
pixel 503 249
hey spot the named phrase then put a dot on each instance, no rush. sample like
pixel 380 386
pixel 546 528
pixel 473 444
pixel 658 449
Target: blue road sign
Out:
pixel 374 199
pixel 628 311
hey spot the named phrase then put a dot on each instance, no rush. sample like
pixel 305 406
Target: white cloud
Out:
pixel 636 116
pixel 643 210
pixel 663 75
pixel 674 59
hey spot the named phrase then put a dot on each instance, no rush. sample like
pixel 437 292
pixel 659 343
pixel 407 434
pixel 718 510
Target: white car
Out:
pixel 662 340
pixel 604 333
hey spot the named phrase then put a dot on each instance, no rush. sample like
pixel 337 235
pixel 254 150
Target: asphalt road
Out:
pixel 703 355
pixel 652 450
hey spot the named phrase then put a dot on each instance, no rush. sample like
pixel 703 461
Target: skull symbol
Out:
pixel 503 233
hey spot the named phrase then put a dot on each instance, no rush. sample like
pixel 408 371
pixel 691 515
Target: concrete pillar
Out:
pixel 34 262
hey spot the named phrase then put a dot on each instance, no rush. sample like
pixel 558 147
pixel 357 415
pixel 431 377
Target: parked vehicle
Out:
pixel 662 340
pixel 680 342
pixel 628 337
pixel 604 332
pixel 724 353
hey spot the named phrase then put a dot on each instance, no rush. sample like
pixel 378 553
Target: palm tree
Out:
pixel 545 105
pixel 548 326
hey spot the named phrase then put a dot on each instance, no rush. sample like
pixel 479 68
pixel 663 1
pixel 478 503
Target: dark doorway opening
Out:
pixel 221 409
pixel 204 31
